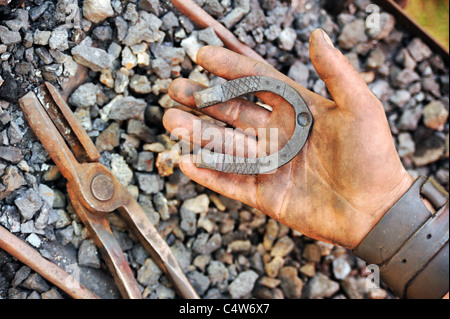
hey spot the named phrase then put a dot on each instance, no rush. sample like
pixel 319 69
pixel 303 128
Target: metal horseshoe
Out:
pixel 260 165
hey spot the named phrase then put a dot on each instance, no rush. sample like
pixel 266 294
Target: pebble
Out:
pixel 58 40
pixel 387 24
pixel 97 10
pixel 435 115
pixel 198 204
pixel 376 59
pixel 192 45
pixel 35 282
pixel 312 253
pixel 140 84
pixel 299 72
pixel 169 21
pixel 59 218
pixel 120 169
pixel 129 60
pixel 403 78
pixel 419 50
pixel 321 287
pixel 410 118
pixel 352 34
pixel 12 179
pixel 287 39
pixel 400 98
pixel 406 145
pixel 102 33
pixel 20 22
pixel 28 203
pixel 9 37
pixel 145 29
pixel 149 273
pixel 341 268
pixel 34 240
pixel 44 55
pixel 94 58
pixel 122 80
pixel 428 151
pixel 124 108
pixel 290 283
pixel 53 293
pixel 15 135
pixel 10 218
pixel 109 138
pixel 149 183
pixel 88 255
pixel 218 274
pixel 240 246
pixel 36 12
pixel 84 96
pixel 204 243
pixel 405 59
pixel 139 130
pixel 354 287
pixel 145 162
pixel 283 247
pixel 199 281
pixel 308 269
pixel 161 68
pixel 209 36
pixel 21 274
pixel 273 267
pixel 243 284
pixel 41 37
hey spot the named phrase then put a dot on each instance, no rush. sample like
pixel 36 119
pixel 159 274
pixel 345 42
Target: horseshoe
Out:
pixel 260 165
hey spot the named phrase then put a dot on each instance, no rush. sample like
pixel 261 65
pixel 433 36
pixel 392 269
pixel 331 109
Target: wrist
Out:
pixel 410 243
pixel 389 199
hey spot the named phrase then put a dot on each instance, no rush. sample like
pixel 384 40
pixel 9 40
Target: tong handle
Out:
pixel 99 229
pixel 152 241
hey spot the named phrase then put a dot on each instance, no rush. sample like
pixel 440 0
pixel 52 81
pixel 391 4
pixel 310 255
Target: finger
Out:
pixel 236 112
pixel 342 80
pixel 239 187
pixel 189 127
pixel 231 65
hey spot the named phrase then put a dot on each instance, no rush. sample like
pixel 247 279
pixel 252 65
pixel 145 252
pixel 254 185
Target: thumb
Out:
pixel 344 83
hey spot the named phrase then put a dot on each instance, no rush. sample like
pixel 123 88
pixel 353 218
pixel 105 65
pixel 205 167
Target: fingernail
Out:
pixel 327 38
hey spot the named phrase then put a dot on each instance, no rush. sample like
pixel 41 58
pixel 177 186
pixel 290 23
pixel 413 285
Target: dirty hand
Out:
pixel 344 179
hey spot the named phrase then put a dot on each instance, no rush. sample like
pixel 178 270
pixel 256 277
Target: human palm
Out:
pixel 344 179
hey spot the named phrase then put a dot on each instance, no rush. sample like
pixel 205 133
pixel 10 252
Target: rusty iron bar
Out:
pixel 30 257
pixel 203 20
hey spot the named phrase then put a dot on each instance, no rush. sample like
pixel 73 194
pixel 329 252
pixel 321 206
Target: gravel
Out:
pixel 132 51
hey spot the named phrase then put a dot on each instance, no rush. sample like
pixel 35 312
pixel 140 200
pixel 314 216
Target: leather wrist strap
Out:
pixel 410 243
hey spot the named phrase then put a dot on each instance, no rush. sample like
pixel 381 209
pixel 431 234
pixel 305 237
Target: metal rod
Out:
pixel 203 20
pixel 30 257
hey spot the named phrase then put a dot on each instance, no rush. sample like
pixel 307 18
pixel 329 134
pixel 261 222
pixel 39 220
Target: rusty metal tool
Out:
pixel 202 19
pixel 33 259
pixel 94 191
pixel 260 165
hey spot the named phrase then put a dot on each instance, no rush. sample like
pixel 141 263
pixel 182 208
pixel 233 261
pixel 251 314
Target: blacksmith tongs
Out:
pixel 94 191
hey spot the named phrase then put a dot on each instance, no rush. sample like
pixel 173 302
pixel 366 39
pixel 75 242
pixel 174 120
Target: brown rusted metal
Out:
pixel 30 257
pixel 94 191
pixel 203 20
